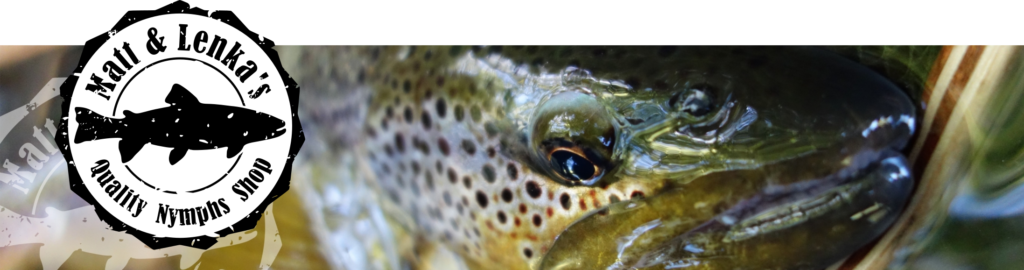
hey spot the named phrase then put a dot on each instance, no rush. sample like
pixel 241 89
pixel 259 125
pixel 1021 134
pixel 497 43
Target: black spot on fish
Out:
pixel 447 198
pixel 408 114
pixel 481 199
pixel 442 144
pixel 459 113
pixel 451 176
pixel 468 146
pixel 513 173
pixel 429 178
pixel 441 107
pixel 468 183
pixel 501 217
pixel 533 189
pixel 421 145
pixel 425 119
pixel 506 195
pixel 489 173
pixel 406 86
pixel 565 200
pixel 491 128
pixel 370 132
pixel 536 220
pixel 399 142
pixel 528 253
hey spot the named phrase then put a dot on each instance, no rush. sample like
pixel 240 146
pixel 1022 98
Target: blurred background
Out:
pixel 968 212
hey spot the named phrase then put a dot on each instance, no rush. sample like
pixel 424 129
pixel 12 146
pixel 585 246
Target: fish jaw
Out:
pixel 788 227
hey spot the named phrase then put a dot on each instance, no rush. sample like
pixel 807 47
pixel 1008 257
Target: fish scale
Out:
pixel 446 135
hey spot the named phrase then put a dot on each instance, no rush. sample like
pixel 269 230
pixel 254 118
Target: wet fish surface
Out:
pixel 631 157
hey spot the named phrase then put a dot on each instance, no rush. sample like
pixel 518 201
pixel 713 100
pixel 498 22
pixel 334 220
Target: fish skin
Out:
pixel 198 126
pixel 449 166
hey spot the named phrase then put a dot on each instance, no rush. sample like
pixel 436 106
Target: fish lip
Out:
pixel 776 198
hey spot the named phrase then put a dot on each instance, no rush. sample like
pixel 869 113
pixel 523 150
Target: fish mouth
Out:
pixel 842 195
pixel 799 177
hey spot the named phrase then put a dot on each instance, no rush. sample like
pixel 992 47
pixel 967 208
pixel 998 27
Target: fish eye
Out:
pixel 573 166
pixel 573 138
pixel 697 100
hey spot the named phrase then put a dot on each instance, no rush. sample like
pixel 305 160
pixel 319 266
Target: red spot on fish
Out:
pixel 597 204
pixel 531 237
pixel 522 208
pixel 514 235
pixel 550 212
pixel 583 205
pixel 490 225
pixel 551 195
pixel 517 221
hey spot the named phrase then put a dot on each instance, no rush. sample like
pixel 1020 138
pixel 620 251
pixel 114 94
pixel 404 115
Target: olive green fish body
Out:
pixel 635 157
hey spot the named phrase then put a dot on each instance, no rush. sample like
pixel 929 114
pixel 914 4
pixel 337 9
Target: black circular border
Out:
pixel 201 242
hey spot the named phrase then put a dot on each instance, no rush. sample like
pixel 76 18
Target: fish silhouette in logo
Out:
pixel 185 125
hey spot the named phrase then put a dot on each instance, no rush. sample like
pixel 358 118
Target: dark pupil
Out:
pixel 572 166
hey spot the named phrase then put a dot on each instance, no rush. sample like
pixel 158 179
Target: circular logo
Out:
pixel 180 126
